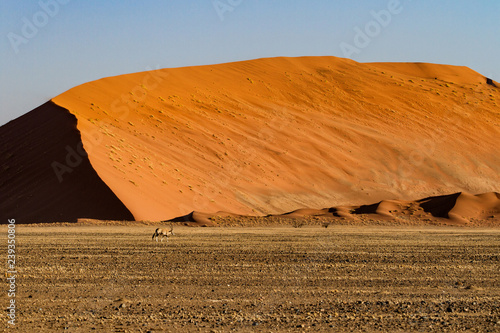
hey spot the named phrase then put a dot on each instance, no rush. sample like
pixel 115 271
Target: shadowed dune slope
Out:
pixel 46 176
pixel 269 136
pixel 459 207
pixel 463 205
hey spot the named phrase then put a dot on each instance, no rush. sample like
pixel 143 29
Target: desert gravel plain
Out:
pixel 84 278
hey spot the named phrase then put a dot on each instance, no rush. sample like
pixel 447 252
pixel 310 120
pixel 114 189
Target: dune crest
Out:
pixel 270 135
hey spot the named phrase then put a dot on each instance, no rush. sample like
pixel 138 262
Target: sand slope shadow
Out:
pixel 46 175
pixel 439 206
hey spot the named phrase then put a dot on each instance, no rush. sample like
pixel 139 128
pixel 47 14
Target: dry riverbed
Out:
pixel 343 278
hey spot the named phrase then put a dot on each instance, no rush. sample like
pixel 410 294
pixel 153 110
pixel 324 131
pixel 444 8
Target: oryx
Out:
pixel 163 233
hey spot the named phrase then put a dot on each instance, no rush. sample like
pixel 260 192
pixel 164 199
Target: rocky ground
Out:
pixel 340 278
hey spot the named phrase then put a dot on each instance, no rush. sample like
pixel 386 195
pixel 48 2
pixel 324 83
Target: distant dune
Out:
pixel 456 209
pixel 266 136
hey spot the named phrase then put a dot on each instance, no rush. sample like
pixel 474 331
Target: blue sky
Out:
pixel 49 46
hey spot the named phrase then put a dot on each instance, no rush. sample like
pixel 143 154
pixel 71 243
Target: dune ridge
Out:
pixel 268 136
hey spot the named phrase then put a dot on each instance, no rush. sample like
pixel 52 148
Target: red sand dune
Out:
pixel 266 136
